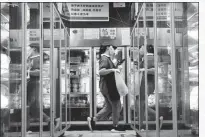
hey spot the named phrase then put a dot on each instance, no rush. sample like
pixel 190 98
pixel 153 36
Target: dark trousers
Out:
pixel 110 106
pixel 140 99
pixel 33 100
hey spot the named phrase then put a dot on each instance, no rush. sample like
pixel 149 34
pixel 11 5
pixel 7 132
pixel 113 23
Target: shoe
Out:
pixel 160 122
pixel 91 123
pixel 117 129
pixel 56 123
pixel 29 132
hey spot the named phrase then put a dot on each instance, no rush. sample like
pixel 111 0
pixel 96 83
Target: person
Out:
pixel 108 89
pixel 150 83
pixel 33 86
pixel 5 61
pixel 4 114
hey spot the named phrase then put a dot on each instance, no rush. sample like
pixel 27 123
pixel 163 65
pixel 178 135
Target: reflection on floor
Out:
pixel 106 133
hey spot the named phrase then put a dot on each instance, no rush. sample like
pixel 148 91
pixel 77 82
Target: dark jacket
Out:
pixel 107 82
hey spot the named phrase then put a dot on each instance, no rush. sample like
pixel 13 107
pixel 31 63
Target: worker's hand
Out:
pixel 116 70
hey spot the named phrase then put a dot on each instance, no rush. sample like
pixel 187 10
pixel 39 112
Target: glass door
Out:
pixel 80 84
pixel 98 98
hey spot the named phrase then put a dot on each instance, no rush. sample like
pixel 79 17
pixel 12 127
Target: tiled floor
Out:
pixel 106 133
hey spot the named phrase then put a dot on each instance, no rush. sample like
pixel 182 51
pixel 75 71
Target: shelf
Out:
pixel 74 76
pixel 78 94
pixel 45 78
pixel 76 107
pixel 163 63
pixel 18 79
pixel 15 49
pixel 81 63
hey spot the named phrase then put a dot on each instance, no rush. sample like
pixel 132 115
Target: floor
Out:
pixel 106 133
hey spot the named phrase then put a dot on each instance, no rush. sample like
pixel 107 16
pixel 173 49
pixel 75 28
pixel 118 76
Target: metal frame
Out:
pixel 24 90
pixel 41 69
pixel 60 51
pixel 90 71
pixel 145 63
pixel 156 68
pixel 173 64
pixel 23 50
pixel 52 72
pixel 173 57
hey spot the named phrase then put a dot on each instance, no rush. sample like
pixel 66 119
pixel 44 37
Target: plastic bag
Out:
pixel 120 84
pixel 135 83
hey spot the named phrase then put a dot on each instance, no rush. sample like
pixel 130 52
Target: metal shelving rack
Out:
pixel 176 66
pixel 21 49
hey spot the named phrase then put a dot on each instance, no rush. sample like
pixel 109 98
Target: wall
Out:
pixel 77 39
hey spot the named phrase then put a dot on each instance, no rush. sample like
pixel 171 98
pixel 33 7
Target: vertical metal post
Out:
pixel 95 79
pixel 69 77
pixel 145 64
pixel 156 68
pixel 24 83
pixel 60 81
pixel 138 71
pixel 41 69
pixel 134 71
pixel 173 63
pixel 66 80
pixel 51 73
pixel 91 70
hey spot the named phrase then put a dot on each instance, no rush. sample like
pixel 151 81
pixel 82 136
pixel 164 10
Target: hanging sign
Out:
pixel 86 11
pixel 108 33
pixel 33 35
pixel 163 11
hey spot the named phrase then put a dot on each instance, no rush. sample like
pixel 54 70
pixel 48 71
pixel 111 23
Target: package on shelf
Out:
pixel 46 71
pixel 75 59
pixel 46 86
pixel 78 102
pixel 14 67
pixel 85 84
pixel 63 84
pixel 15 101
pixel 4 96
pixel 163 84
pixel 151 100
pixel 84 70
pixel 100 100
pixel 46 100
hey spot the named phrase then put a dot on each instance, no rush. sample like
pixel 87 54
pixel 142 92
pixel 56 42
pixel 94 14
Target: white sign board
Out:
pixel 108 33
pixel 163 11
pixel 87 11
pixel 58 34
pixel 125 33
pixel 91 33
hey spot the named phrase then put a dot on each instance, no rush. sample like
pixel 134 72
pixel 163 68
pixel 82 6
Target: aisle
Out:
pixel 107 133
pixel 104 133
pixel 127 133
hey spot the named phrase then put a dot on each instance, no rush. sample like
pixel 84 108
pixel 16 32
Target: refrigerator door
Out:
pixel 80 84
pixel 98 97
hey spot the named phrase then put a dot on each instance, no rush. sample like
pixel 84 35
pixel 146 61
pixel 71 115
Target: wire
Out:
pixel 119 15
pixel 119 20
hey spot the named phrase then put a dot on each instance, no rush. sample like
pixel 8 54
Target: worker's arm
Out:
pixel 105 71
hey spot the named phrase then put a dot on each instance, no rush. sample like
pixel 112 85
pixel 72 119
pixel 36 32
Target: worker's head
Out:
pixel 150 49
pixel 107 49
pixel 35 47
